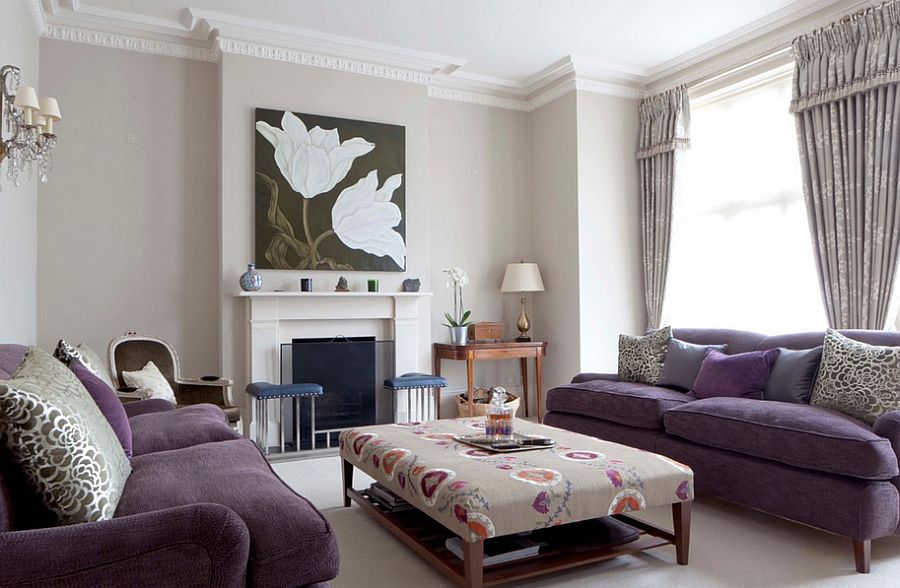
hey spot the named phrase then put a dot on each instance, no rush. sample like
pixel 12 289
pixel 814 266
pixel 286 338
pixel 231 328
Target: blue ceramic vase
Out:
pixel 251 280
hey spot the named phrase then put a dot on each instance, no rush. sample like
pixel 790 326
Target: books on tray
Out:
pixel 499 550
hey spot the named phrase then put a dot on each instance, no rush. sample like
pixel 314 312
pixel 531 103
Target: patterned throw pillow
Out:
pixel 61 441
pixel 150 383
pixel 857 379
pixel 641 358
pixel 84 355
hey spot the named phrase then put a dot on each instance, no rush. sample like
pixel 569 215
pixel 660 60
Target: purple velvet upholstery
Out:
pixel 108 402
pixel 855 508
pixel 182 427
pixel 133 409
pixel 628 403
pixel 793 434
pixel 11 356
pixel 741 375
pixel 606 430
pixel 810 340
pixel 192 545
pixel 588 376
pixel 737 341
pixel 291 544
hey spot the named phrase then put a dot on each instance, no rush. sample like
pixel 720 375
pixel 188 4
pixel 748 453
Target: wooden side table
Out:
pixel 486 351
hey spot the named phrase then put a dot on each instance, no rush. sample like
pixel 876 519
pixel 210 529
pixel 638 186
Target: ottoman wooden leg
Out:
pixel 681 518
pixel 863 552
pixel 473 559
pixel 348 480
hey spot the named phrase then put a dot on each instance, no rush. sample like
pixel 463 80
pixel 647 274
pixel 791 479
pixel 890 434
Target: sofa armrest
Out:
pixel 888 426
pixel 197 391
pixel 195 544
pixel 133 409
pixel 588 376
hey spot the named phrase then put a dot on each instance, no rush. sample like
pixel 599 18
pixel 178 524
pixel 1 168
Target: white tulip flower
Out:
pixel 363 217
pixel 312 162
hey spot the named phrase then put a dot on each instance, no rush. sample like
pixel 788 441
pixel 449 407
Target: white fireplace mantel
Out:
pixel 276 318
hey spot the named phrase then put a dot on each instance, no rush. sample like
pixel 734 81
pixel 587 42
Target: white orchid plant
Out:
pixel 457 278
pixel 313 162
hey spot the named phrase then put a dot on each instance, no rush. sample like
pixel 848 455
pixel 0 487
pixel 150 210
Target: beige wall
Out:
pixel 609 262
pixel 248 83
pixel 18 206
pixel 554 177
pixel 128 233
pixel 481 219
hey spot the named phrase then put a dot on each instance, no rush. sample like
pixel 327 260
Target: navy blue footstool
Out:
pixel 262 392
pixel 428 398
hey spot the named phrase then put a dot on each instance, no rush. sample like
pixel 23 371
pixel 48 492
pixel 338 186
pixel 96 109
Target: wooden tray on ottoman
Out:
pixel 457 489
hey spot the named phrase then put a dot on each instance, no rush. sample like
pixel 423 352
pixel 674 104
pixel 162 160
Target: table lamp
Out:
pixel 522 277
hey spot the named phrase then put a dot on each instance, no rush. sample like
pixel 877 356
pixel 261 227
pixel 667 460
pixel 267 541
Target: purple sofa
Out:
pixel 202 507
pixel 807 464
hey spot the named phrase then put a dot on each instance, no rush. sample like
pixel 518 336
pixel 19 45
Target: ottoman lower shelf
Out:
pixel 427 538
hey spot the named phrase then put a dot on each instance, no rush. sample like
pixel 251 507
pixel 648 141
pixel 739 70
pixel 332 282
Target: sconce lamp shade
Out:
pixel 26 97
pixel 522 277
pixel 50 108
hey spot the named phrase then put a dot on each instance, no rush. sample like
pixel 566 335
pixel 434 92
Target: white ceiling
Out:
pixel 512 39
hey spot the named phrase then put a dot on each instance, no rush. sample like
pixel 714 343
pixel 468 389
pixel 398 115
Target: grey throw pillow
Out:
pixel 683 361
pixel 641 358
pixel 857 379
pixel 64 446
pixel 793 375
pixel 84 355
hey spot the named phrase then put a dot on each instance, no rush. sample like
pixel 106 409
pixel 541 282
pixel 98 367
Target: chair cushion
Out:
pixel 794 434
pixel 178 428
pixel 150 383
pixel 291 543
pixel 415 380
pixel 627 403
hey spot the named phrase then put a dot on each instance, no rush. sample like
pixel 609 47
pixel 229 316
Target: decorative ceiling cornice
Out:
pixel 206 35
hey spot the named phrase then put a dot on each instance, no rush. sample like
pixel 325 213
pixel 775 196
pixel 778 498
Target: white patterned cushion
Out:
pixel 641 358
pixel 150 383
pixel 63 444
pixel 84 355
pixel 857 379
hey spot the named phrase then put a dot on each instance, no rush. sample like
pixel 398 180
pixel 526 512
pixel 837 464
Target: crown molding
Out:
pixel 206 35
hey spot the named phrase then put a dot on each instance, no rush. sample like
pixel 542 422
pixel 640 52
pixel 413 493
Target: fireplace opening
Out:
pixel 351 371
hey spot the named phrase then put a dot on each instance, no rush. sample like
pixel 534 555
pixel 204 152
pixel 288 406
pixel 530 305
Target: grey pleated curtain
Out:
pixel 664 129
pixel 847 108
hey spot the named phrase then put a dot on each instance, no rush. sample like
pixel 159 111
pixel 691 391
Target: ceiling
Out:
pixel 503 38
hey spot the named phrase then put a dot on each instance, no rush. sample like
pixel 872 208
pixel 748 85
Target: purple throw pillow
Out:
pixel 108 403
pixel 742 375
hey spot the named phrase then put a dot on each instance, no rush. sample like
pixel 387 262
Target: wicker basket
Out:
pixel 481 408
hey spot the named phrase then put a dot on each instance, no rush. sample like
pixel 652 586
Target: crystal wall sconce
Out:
pixel 26 127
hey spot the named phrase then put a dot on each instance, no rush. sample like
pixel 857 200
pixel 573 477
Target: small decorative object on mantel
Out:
pixel 458 322
pixel 411 285
pixel 342 285
pixel 522 277
pixel 29 140
pixel 373 285
pixel 251 280
pixel 306 284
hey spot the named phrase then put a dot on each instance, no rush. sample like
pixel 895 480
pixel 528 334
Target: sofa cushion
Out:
pixel 794 434
pixel 683 361
pixel 743 375
pixel 641 358
pixel 627 403
pixel 793 375
pixel 55 433
pixel 182 427
pixel 291 543
pixel 857 379
pixel 108 403
pixel 84 355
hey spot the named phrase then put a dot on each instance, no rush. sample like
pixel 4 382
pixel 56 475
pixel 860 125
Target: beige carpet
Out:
pixel 730 546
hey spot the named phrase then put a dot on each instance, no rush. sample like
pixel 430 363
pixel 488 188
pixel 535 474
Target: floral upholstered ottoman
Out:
pixel 478 494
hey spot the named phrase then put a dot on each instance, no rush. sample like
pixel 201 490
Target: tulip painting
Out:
pixel 330 193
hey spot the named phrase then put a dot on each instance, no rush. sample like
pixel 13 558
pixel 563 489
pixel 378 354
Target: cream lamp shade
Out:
pixel 49 112
pixel 26 97
pixel 522 277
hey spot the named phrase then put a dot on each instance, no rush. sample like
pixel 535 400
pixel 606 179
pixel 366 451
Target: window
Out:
pixel 741 254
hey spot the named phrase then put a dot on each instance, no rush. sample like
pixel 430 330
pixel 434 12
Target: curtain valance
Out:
pixel 665 122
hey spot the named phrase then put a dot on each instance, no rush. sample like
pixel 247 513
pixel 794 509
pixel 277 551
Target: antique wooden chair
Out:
pixel 131 352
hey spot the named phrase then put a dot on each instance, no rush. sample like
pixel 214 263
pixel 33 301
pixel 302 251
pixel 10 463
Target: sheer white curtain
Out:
pixel 741 252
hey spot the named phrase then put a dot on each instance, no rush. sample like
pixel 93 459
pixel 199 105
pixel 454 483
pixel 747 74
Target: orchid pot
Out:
pixel 459 335
pixel 458 322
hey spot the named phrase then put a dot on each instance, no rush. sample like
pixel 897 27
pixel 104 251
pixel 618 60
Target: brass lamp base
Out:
pixel 523 324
